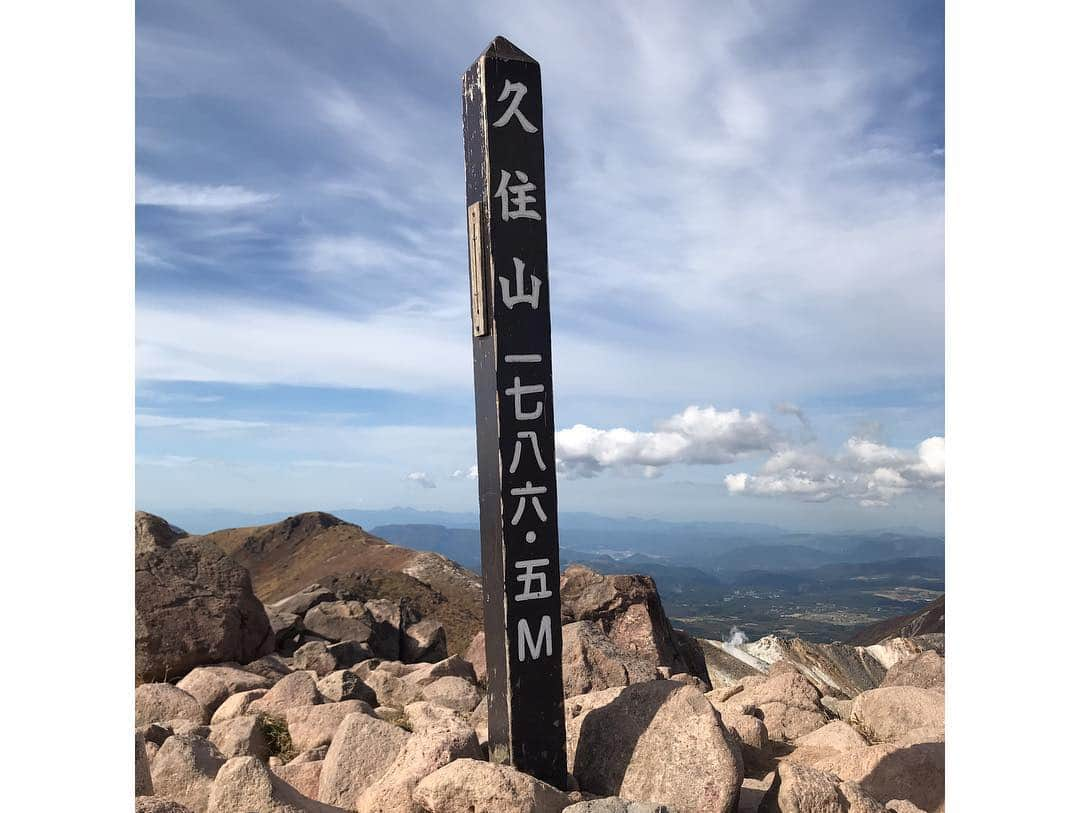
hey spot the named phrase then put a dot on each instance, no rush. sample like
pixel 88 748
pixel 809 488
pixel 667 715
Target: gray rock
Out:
pixel 159 702
pixel 236 706
pixel 193 606
pixel 362 749
pixel 472 786
pixel 211 685
pixel 345 685
pixel 349 653
pixel 297 689
pixel 340 621
pixel 245 784
pixel 300 603
pixel 184 770
pixel 424 641
pixel 386 634
pixel 314 726
pixel 240 737
pixel 453 693
pixel 315 657
pixel 158 804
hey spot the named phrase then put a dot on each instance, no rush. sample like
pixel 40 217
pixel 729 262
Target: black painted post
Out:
pixel 515 427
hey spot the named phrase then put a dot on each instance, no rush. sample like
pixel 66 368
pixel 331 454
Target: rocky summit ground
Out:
pixel 310 667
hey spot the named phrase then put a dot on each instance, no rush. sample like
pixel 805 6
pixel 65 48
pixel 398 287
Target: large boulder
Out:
pixel 629 612
pixel 440 742
pixel 454 666
pixel 159 702
pixel 391 690
pixel 211 685
pixel 453 692
pixel 193 606
pixel 304 776
pixel 314 656
pixel 361 750
pixel 613 804
pixel 925 671
pixel 591 661
pixel 245 784
pixel 890 713
pixel 471 786
pixel 789 703
pixel 314 726
pixel 236 706
pixel 386 633
pixel 887 771
pixel 423 641
pixel 802 789
pixel 345 685
pixel 296 689
pixel 660 741
pixel 340 621
pixel 184 770
pixel 241 737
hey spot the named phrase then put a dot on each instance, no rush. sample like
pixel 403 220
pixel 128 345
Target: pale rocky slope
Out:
pixel 362 706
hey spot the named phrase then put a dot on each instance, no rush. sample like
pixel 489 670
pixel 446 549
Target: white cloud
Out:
pixel 195 424
pixel 151 192
pixel 863 470
pixel 695 435
pixel 470 473
pixel 420 478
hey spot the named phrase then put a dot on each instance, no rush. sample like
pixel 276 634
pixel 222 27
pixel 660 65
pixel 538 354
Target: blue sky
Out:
pixel 746 237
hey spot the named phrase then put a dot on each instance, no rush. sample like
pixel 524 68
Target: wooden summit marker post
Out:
pixel 515 427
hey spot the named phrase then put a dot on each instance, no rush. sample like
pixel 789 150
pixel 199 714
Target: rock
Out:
pixel 315 657
pixel 245 784
pixel 423 641
pixel 613 804
pixel 837 736
pixel 144 786
pixel 837 706
pixel 915 773
pixel 427 750
pixel 193 606
pixel 454 666
pixel 240 737
pixel 236 706
pixel 152 531
pixel 660 741
pixel 285 626
pixel 901 806
pixel 751 732
pixel 310 755
pixel 296 689
pixel 158 804
pixel 348 653
pixel 718 696
pixel 182 726
pixel 271 666
pixel 300 603
pixel 313 726
pixel 392 691
pixel 386 634
pixel 789 703
pixel 592 662
pixel 211 685
pixel 471 786
pixel 159 702
pixel 423 714
pixel 925 671
pixel 452 692
pixel 804 790
pixel 340 621
pixel 889 713
pixel 184 770
pixel 154 733
pixel 304 776
pixel 691 680
pixel 477 656
pixel 629 612
pixel 363 747
pixel 345 685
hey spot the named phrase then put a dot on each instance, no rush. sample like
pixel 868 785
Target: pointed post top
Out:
pixel 502 48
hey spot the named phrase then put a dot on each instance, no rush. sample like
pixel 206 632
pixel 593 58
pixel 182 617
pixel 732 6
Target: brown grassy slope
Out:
pixel 315 547
pixel 930 618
